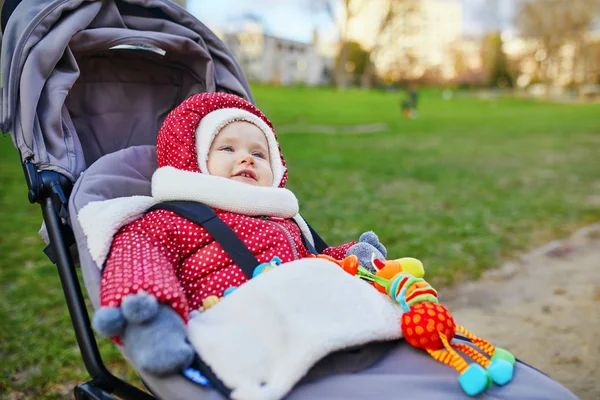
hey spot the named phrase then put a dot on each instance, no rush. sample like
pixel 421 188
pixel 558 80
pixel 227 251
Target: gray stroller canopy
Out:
pixel 83 78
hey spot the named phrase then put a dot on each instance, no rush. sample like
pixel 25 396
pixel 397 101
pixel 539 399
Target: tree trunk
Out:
pixel 366 79
pixel 341 78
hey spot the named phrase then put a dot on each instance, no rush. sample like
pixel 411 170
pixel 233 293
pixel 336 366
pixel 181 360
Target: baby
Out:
pixel 241 152
pixel 220 150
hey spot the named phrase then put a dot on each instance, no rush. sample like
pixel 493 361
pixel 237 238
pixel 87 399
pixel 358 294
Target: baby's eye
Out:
pixel 259 155
pixel 226 148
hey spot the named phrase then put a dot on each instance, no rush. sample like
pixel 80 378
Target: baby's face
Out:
pixel 240 152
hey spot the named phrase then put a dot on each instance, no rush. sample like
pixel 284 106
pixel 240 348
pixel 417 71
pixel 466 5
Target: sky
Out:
pixel 294 19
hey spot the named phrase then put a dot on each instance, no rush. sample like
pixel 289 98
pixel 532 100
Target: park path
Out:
pixel 544 307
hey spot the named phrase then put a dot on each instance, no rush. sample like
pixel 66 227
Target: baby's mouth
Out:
pixel 246 174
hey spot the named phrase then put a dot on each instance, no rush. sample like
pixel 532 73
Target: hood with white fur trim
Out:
pixel 186 134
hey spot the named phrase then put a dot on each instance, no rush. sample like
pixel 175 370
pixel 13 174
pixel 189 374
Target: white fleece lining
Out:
pixel 275 327
pixel 169 183
pixel 100 220
pixel 212 123
pixel 304 228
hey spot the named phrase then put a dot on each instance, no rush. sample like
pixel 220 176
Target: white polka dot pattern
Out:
pixel 178 261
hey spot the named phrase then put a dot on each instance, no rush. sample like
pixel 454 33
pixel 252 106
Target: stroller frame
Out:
pixel 51 190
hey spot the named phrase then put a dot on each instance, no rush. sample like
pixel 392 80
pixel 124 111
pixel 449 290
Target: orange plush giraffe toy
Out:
pixel 428 325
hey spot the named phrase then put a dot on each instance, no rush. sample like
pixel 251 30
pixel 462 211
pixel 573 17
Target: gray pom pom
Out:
pixel 371 238
pixel 109 321
pixel 139 308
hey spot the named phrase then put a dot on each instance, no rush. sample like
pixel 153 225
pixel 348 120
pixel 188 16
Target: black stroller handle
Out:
pixel 48 190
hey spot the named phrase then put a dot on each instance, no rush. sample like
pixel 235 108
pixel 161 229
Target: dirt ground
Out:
pixel 544 308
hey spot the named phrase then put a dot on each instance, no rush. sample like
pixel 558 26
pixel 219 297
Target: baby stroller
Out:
pixel 85 87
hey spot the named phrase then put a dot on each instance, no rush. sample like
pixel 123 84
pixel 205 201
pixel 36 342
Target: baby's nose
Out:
pixel 246 159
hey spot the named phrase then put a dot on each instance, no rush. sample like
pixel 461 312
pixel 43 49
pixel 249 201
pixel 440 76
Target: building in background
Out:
pixel 268 59
pixel 418 41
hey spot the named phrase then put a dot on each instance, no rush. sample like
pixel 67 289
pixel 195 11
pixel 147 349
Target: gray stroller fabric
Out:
pixel 391 370
pixel 120 174
pixel 81 79
pixel 403 373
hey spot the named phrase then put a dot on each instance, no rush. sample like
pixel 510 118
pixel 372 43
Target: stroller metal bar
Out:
pixel 79 316
pixel 90 391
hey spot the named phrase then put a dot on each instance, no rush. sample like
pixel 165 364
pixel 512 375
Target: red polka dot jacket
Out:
pixel 176 260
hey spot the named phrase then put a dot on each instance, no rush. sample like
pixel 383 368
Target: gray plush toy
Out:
pixel 154 335
pixel 368 244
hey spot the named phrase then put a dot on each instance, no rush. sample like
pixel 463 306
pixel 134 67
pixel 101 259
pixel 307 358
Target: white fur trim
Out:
pixel 169 183
pixel 250 336
pixel 100 220
pixel 304 228
pixel 213 122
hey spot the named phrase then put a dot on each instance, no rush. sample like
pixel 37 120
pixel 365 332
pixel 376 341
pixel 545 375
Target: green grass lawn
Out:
pixel 463 187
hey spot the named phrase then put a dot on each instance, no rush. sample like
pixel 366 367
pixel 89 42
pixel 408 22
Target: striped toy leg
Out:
pixel 473 379
pixel 454 359
pixel 474 354
pixel 451 359
pixel 500 367
pixel 484 345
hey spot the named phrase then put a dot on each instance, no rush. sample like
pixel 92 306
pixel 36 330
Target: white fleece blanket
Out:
pixel 262 339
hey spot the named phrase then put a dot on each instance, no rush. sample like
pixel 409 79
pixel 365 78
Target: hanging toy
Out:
pixel 209 302
pixel 349 264
pixel 390 268
pixel 428 325
pixel 264 267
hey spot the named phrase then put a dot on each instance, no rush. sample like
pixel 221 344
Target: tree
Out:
pixel 384 23
pixel 402 69
pixel 498 71
pixel 357 61
pixel 592 62
pixel 342 17
pixel 554 23
pixel 458 59
pixel 350 8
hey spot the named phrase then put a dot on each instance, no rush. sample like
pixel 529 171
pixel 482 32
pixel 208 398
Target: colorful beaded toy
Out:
pixel 425 323
pixel 428 325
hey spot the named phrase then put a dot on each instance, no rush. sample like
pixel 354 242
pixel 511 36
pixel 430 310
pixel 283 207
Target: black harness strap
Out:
pixel 309 246
pixel 320 244
pixel 205 216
